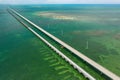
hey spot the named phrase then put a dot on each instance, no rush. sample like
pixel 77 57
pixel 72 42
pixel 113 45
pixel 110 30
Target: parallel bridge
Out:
pixel 74 51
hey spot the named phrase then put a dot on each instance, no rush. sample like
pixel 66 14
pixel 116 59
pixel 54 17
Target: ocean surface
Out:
pixel 93 30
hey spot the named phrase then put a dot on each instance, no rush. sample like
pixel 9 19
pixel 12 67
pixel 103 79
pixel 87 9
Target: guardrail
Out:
pixel 83 57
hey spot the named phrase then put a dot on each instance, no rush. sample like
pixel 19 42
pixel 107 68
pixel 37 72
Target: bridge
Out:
pixel 87 75
pixel 74 51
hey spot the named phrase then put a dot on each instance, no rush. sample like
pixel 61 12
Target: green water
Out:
pixel 78 24
pixel 25 57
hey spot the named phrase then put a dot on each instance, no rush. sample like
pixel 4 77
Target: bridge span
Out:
pixel 74 51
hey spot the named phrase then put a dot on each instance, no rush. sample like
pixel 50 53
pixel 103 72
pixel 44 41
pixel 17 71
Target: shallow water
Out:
pixel 91 29
pixel 24 57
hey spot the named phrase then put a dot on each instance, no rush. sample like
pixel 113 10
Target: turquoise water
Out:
pixel 91 29
pixel 24 57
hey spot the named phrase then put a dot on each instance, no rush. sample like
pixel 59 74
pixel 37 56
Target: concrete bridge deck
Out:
pixel 79 54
